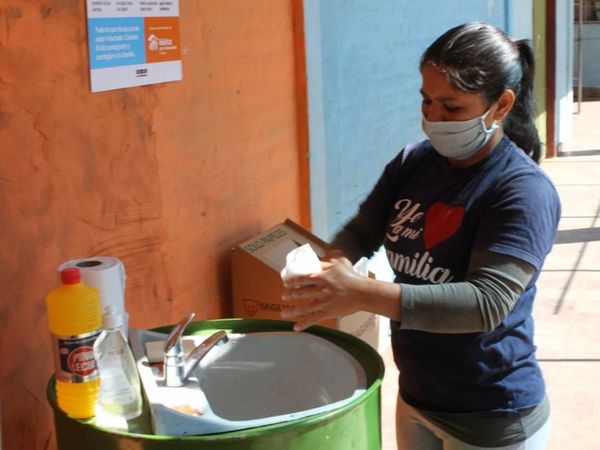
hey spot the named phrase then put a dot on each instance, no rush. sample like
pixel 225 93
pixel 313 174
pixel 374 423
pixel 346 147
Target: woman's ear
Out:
pixel 505 104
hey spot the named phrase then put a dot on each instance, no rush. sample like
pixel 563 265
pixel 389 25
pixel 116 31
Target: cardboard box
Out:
pixel 256 282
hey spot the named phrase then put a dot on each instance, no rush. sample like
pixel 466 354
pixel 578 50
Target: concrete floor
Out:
pixel 567 308
pixel 585 136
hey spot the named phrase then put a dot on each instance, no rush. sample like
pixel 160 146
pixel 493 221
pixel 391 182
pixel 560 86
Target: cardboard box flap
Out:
pixel 272 246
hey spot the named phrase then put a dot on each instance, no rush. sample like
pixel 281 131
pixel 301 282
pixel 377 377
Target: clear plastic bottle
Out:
pixel 120 395
pixel 74 319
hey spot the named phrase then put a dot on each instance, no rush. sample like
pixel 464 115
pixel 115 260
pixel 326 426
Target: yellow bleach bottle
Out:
pixel 75 321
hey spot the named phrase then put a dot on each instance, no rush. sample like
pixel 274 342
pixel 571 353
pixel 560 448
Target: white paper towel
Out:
pixel 107 274
pixel 362 266
pixel 304 261
pixel 301 261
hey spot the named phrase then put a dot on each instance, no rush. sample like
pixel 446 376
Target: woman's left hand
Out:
pixel 336 291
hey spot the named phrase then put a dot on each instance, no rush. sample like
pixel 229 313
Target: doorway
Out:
pixel 584 137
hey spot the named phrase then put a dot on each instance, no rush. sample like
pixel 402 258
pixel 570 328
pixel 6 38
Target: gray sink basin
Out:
pixel 253 380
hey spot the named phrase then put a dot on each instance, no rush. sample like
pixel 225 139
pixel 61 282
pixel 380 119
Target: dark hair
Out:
pixel 477 57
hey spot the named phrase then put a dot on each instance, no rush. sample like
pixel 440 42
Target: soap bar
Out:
pixel 154 350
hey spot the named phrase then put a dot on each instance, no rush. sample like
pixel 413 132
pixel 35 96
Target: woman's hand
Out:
pixel 336 291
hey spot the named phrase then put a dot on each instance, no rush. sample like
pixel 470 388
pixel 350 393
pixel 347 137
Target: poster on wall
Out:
pixel 133 43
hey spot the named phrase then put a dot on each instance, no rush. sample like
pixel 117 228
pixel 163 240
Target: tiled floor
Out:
pixel 567 308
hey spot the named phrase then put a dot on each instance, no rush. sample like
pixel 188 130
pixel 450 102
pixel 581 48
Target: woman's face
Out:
pixel 443 102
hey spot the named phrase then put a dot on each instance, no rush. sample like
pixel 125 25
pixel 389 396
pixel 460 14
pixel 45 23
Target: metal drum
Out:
pixel 356 425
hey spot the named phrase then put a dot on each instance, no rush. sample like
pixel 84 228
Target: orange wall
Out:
pixel 166 177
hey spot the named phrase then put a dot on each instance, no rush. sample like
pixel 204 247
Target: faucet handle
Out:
pixel 203 348
pixel 174 338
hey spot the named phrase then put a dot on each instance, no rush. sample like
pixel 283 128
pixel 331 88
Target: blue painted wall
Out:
pixel 591 55
pixel 519 19
pixel 363 85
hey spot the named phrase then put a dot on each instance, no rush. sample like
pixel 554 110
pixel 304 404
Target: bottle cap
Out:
pixel 111 317
pixel 70 275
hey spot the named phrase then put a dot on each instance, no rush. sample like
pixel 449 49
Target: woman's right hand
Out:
pixel 338 290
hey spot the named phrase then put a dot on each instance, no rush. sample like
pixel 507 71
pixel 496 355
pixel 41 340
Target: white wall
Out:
pixel 565 30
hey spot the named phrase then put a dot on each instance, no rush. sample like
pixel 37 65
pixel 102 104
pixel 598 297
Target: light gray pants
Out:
pixel 415 432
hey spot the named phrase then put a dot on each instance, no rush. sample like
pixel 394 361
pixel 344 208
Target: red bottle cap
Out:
pixel 70 275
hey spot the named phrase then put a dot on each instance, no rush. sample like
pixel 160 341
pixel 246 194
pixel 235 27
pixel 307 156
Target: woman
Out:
pixel 467 219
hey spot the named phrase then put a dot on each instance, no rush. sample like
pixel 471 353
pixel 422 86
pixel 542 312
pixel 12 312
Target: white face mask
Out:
pixel 459 140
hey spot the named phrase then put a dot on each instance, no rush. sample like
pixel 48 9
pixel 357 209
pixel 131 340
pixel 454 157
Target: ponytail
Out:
pixel 519 125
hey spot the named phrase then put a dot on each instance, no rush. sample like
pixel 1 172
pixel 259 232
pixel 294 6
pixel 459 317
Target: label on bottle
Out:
pixel 74 357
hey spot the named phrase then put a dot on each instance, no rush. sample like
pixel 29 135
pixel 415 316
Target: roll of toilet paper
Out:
pixel 107 274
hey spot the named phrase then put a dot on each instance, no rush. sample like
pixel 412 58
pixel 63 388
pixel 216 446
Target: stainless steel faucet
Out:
pixel 177 368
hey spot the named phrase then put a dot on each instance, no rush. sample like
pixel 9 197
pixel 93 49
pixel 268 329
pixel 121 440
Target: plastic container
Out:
pixel 74 320
pixel 120 395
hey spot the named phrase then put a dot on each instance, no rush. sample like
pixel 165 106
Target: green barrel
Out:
pixel 356 425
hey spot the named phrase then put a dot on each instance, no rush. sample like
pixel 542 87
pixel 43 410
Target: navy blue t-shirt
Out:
pixel 436 215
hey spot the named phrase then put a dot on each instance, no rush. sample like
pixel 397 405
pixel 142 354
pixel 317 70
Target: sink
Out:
pixel 254 379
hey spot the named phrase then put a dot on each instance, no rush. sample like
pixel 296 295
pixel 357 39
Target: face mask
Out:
pixel 459 140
